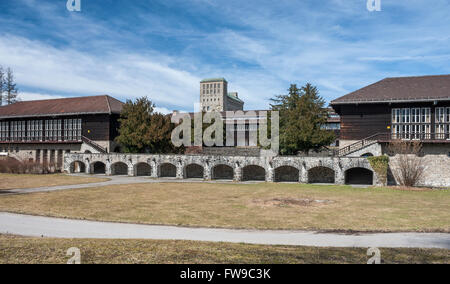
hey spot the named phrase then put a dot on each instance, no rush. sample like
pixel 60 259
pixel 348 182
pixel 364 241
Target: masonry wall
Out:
pixel 436 162
pixel 253 167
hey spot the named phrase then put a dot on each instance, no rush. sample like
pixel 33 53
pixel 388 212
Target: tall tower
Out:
pixel 213 94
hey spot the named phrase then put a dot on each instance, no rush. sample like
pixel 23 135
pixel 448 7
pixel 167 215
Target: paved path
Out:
pixel 65 228
pixel 114 180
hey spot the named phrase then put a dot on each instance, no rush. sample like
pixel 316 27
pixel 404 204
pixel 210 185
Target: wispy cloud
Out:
pixel 164 48
pixel 27 96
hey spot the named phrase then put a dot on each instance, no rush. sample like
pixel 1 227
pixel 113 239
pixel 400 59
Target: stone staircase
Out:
pixel 94 145
pixel 366 142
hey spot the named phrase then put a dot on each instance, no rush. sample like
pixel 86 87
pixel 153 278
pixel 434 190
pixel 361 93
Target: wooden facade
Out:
pixel 95 127
pixel 408 108
pixel 359 121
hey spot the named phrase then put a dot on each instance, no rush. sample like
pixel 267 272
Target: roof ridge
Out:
pixel 423 76
pixel 107 102
pixel 414 88
pixel 63 98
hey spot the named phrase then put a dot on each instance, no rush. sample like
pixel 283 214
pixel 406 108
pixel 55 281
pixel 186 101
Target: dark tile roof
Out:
pixel 68 106
pixel 403 89
pixel 210 80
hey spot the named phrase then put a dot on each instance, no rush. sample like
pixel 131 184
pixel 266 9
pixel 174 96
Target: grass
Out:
pixel 253 206
pixel 13 181
pixel 14 249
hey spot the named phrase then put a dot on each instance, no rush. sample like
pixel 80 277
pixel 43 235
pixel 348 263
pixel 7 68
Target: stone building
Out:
pixel 44 130
pixel 214 96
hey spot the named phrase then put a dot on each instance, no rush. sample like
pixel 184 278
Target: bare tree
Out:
pixel 10 88
pixel 407 165
pixel 2 84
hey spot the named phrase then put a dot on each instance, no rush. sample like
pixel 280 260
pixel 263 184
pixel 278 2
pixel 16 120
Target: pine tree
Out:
pixel 142 130
pixel 302 115
pixel 10 88
pixel 134 125
pixel 2 84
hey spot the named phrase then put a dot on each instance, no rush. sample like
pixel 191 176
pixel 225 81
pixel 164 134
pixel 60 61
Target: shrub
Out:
pixel 12 166
pixel 407 166
pixel 380 165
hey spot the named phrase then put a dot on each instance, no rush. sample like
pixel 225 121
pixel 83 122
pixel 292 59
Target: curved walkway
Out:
pixel 113 180
pixel 66 228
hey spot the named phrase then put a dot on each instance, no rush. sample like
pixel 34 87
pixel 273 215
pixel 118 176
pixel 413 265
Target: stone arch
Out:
pixel 98 168
pixel 168 170
pixel 355 163
pixel 142 169
pixel 194 171
pixel 119 169
pixel 77 167
pixel 222 171
pixel 87 152
pixel 287 174
pixel 359 176
pixel 321 174
pixel 253 173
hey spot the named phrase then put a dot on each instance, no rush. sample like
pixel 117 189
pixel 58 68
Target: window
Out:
pixel 442 127
pixel 72 129
pixel 415 115
pixel 411 123
pixel 440 115
pixel 440 131
pixel 396 115
pixel 426 115
pixel 4 131
pixel 18 131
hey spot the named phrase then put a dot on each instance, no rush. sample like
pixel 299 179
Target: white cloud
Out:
pixel 28 96
pixel 163 110
pixel 124 75
pixel 337 45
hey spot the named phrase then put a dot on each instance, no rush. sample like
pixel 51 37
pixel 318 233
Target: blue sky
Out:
pixel 163 48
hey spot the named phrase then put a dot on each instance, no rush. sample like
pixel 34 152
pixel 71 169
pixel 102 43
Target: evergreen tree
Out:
pixel 10 88
pixel 142 130
pixel 159 134
pixel 134 125
pixel 302 115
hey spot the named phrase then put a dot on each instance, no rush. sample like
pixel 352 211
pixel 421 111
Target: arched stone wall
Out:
pixel 321 175
pixel 143 169
pixel 218 167
pixel 194 171
pixel 119 169
pixel 168 170
pixel 222 171
pixel 359 176
pixel 287 174
pixel 77 167
pixel 253 173
pixel 98 168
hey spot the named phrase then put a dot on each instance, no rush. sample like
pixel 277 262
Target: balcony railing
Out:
pixel 41 140
pixel 386 137
pixel 418 136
